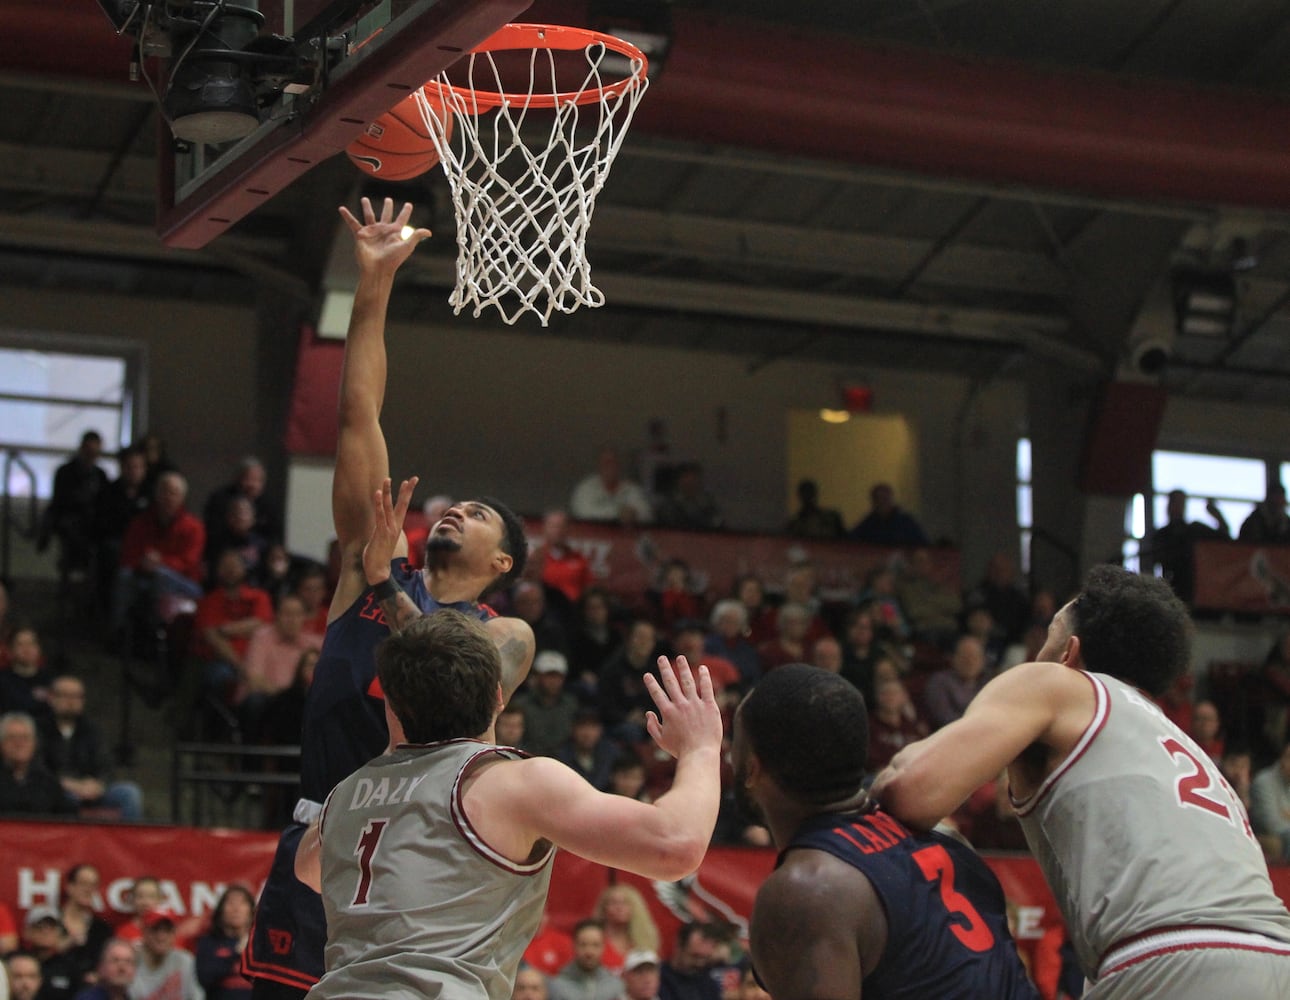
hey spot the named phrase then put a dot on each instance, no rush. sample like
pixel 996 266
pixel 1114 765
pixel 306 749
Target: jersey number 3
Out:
pixel 936 864
pixel 365 850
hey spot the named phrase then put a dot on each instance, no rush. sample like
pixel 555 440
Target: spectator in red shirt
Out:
pixel 1207 729
pixel 226 618
pixel 161 556
pixel 563 570
pixel 894 723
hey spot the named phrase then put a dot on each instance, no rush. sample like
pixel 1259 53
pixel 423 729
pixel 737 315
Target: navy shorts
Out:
pixel 289 935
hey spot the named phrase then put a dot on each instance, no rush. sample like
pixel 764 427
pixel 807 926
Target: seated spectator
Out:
pixel 879 598
pixel 1270 807
pixel 812 520
pixel 226 618
pixel 640 976
pixel 826 653
pixel 1236 767
pixel 689 639
pixel 593 640
pixel 161 556
pixel 530 982
pixel 728 639
pixel 70 515
pixel 72 749
pixel 46 940
pixel 8 930
pixel 120 501
pixel 790 645
pixel 115 973
pixel 508 730
pixel 1268 523
pixel 977 621
pixel 1207 729
pixel 24 687
pixel 950 690
pixel 606 496
pixel 528 602
pixel 86 931
pixel 762 614
pixel 218 954
pixel 559 567
pixel 886 523
pixel 311 588
pixel 1171 546
pixel 894 723
pixel 248 485
pixel 1274 696
pixel 676 597
pixel 629 777
pixel 627 923
pixel 931 608
pixel 154 450
pixel 688 504
pixel 1001 592
pixel 801 586
pixel 165 972
pixel 623 699
pixel 860 652
pixel 685 976
pixel 550 951
pixel 586 978
pixel 144 897
pixel 272 656
pixel 588 751
pixel 23 969
pixel 26 787
pixel 284 715
pixel 238 534
pixel 549 710
pixel 1176 702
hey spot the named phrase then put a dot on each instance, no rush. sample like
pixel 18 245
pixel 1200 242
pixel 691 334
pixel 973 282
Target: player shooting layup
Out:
pixel 475 546
pixel 1147 850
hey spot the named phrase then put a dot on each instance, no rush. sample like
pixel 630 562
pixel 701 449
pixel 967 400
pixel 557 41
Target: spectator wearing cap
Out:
pixel 588 751
pixel 116 970
pixel 640 976
pixel 586 978
pixel 23 969
pixel 549 709
pixel 165 971
pixel 46 939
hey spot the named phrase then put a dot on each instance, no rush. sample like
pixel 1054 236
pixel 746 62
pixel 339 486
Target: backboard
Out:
pixel 360 58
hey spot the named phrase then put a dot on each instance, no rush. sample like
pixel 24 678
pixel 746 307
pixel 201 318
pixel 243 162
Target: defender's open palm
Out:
pixel 688 718
pixel 387 529
pixel 380 243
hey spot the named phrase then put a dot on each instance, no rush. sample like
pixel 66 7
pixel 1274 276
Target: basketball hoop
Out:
pixel 541 112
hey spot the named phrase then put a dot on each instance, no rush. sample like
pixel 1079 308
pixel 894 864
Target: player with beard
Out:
pixel 477 546
pixel 858 904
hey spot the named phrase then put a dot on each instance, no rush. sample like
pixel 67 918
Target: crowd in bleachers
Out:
pixel 228 623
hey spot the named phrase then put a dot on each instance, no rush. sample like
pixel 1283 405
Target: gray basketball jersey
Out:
pixel 417 905
pixel 1137 832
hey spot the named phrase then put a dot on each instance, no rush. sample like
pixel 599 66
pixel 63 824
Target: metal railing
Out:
pixel 232 783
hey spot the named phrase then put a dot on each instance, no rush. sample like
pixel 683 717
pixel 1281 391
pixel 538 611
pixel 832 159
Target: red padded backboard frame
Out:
pixel 425 39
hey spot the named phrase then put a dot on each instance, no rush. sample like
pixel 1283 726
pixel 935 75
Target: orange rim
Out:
pixel 555 37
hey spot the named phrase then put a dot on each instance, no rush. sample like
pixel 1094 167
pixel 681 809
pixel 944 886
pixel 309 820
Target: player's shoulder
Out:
pixel 809 878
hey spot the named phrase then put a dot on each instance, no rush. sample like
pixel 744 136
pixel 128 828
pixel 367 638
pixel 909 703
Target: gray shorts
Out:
pixel 1199 975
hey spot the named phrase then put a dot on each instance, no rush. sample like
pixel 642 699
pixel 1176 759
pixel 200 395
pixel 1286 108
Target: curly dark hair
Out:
pixel 514 543
pixel 810 730
pixel 440 676
pixel 1132 627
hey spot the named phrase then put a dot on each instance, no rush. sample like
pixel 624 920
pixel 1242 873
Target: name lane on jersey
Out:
pixel 369 792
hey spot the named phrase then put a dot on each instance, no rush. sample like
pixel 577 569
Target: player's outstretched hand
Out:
pixel 688 718
pixel 387 528
pixel 386 242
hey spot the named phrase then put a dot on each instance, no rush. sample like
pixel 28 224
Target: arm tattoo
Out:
pixel 400 611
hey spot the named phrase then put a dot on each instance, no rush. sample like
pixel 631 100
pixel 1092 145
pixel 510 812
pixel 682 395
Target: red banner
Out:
pixel 1232 576
pixel 194 867
pixel 627 562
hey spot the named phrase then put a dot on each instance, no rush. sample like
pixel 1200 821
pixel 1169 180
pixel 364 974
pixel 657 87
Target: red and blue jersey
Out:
pixel 947 925
pixel 344 724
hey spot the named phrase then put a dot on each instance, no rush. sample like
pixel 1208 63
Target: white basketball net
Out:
pixel 524 179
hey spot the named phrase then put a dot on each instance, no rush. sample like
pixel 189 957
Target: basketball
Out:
pixel 397 146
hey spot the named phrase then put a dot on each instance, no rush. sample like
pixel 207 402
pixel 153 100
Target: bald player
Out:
pixel 476 546
pixel 1146 848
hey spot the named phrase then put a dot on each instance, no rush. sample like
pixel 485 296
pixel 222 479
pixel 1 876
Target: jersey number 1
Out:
pixel 936 864
pixel 365 850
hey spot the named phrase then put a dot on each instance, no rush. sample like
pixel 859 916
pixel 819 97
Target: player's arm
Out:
pixel 928 780
pixel 309 858
pixel 362 458
pixel 513 805
pixel 817 928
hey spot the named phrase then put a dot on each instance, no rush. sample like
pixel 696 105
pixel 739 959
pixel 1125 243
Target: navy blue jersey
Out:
pixel 344 728
pixel 947 928
pixel 344 724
